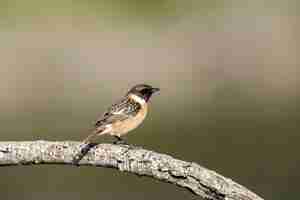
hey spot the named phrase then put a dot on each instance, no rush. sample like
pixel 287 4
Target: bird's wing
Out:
pixel 120 111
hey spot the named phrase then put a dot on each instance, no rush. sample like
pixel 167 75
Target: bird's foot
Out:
pixel 120 142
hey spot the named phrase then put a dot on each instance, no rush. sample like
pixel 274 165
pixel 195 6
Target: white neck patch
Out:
pixel 138 99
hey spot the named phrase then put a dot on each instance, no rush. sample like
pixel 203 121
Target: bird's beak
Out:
pixel 154 90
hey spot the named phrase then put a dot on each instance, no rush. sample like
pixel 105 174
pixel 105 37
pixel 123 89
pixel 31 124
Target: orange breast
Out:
pixel 123 127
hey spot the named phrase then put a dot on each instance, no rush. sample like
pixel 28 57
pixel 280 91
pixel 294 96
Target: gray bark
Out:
pixel 199 180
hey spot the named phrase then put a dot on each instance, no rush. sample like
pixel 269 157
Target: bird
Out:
pixel 125 115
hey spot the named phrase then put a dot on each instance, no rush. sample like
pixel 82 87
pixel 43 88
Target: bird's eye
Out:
pixel 144 91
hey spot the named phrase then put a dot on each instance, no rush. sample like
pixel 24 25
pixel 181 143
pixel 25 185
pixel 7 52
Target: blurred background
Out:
pixel 229 100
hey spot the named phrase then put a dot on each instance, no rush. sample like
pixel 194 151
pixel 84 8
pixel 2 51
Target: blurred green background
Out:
pixel 229 89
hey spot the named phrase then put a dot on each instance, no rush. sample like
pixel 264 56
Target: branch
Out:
pixel 201 181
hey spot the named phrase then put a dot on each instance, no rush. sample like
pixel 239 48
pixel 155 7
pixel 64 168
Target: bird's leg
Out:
pixel 120 141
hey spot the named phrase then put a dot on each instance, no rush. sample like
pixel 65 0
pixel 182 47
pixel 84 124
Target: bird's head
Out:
pixel 144 91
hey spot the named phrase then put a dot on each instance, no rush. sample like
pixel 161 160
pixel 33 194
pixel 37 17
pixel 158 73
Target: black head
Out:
pixel 143 90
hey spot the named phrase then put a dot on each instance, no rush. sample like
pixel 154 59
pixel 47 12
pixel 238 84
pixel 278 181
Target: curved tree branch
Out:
pixel 201 181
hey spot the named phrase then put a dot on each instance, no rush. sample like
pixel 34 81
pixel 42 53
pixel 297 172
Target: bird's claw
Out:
pixel 121 142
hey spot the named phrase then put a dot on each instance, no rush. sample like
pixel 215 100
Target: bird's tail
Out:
pixel 87 145
pixel 95 133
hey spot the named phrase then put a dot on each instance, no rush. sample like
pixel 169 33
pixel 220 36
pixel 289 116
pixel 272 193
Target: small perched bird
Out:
pixel 125 115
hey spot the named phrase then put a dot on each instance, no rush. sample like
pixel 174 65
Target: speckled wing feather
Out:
pixel 120 111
